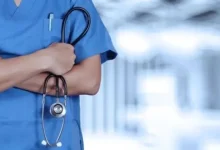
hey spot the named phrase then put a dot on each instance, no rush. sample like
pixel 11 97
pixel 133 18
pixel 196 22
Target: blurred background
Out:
pixel 162 92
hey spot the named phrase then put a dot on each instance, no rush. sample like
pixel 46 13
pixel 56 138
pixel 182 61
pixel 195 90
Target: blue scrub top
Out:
pixel 25 30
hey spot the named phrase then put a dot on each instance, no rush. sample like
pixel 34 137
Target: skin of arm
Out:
pixel 20 69
pixel 83 79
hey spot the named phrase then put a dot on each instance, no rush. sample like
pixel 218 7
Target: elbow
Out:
pixel 94 90
pixel 93 87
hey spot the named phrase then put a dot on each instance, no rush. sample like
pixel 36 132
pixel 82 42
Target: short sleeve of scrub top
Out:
pixel 25 30
pixel 97 40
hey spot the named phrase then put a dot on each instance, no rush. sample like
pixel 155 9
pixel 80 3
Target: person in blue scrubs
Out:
pixel 29 49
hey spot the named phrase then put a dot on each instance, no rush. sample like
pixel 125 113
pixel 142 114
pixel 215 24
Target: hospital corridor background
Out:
pixel 163 90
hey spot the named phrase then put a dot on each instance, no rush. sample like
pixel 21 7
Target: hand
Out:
pixel 61 58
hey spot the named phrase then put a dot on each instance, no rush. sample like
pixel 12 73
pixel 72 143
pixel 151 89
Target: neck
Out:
pixel 17 2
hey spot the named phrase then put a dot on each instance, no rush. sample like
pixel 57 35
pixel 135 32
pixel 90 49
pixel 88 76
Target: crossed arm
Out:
pixel 83 79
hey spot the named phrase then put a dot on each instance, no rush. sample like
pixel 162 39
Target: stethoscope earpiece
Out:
pixel 44 143
pixel 59 144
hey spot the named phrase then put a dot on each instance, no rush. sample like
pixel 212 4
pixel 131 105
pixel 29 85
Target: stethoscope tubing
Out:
pixel 59 77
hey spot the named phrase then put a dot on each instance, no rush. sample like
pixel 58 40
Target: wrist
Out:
pixel 43 60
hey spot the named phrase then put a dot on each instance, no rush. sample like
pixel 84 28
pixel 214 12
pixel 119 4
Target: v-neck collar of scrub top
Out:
pixel 19 11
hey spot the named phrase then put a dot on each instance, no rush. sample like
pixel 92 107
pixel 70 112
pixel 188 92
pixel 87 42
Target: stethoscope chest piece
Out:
pixel 58 110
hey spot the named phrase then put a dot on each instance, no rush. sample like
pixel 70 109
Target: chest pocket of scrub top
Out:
pixel 54 35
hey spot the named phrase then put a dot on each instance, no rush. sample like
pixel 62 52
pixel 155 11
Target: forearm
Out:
pixel 83 79
pixel 35 84
pixel 78 83
pixel 19 69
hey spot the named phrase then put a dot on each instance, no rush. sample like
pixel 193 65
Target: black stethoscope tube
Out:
pixel 58 109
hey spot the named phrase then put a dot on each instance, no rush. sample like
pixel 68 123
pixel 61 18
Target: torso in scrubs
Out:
pixel 24 30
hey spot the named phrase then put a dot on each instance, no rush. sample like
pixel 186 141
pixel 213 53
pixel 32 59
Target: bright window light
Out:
pixel 181 42
pixel 132 43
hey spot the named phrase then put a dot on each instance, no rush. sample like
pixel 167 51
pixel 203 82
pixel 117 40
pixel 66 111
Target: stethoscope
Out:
pixel 58 109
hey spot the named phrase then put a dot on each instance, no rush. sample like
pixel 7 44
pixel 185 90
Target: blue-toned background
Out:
pixel 163 90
